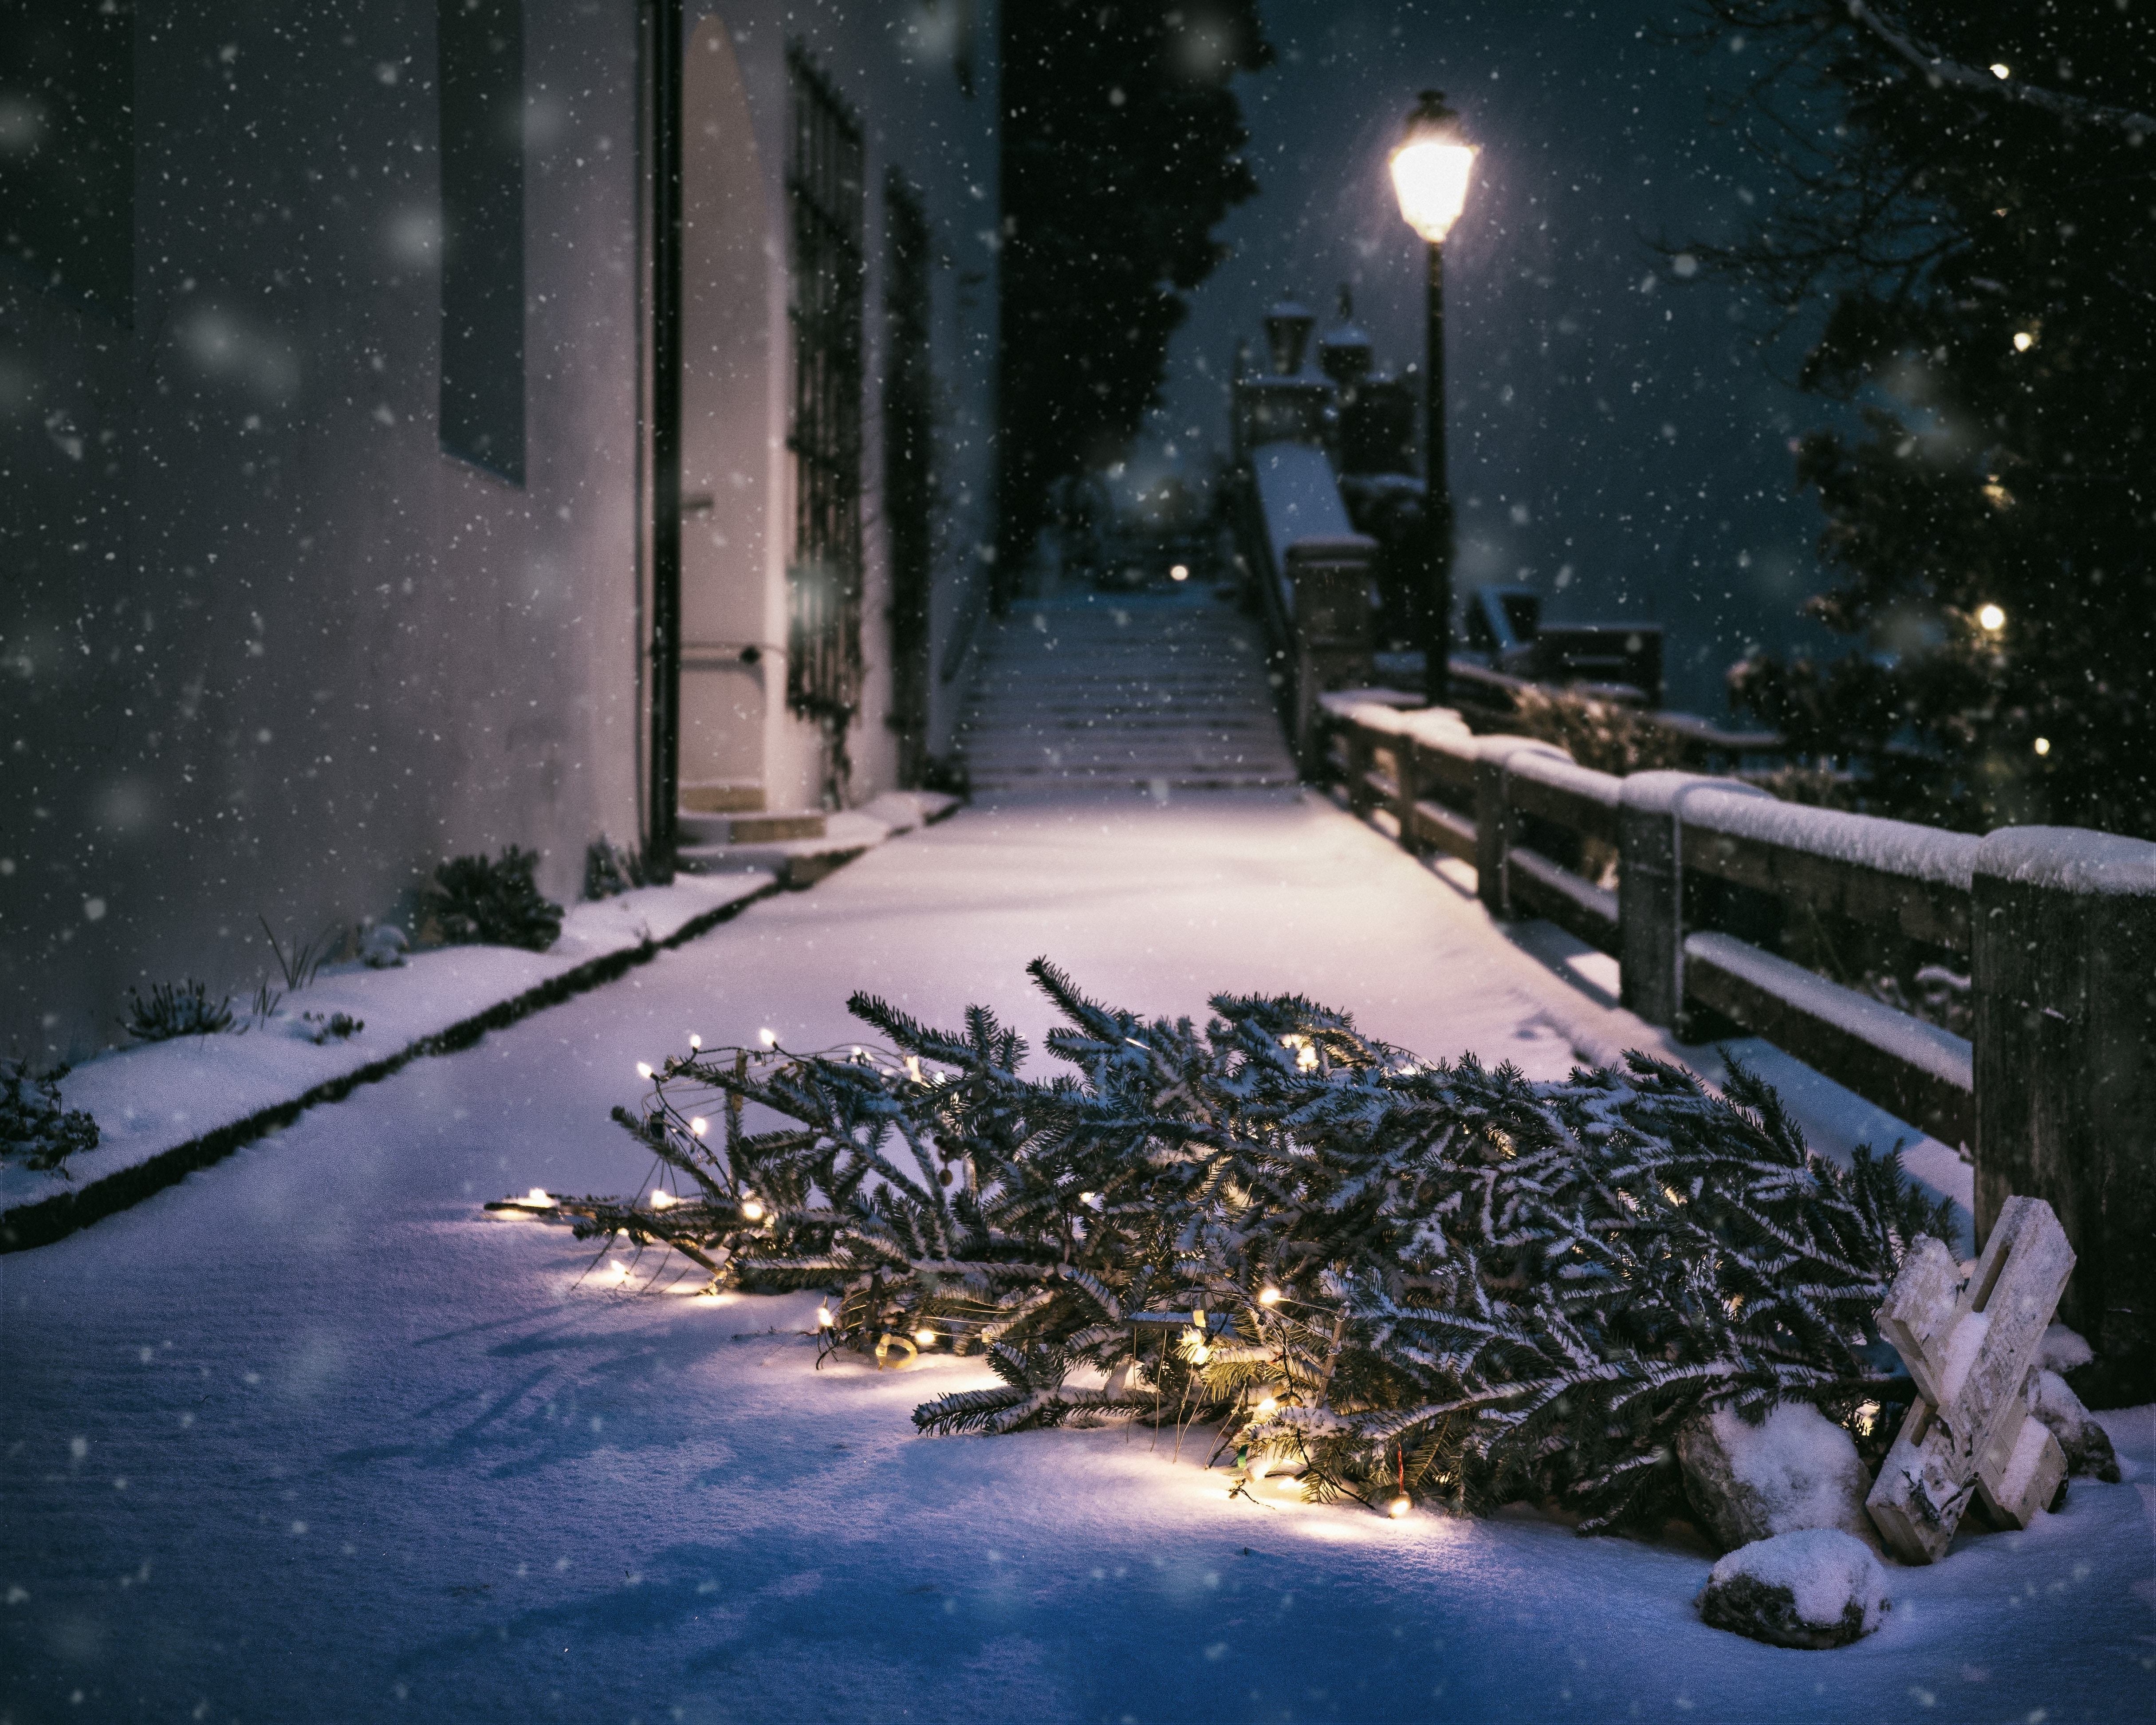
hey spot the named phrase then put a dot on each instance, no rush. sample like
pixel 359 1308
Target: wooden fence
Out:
pixel 2053 1096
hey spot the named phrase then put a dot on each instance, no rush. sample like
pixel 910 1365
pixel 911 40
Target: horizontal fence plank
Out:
pixel 1440 829
pixel 1575 904
pixel 1921 1073
pixel 1885 874
pixel 1564 794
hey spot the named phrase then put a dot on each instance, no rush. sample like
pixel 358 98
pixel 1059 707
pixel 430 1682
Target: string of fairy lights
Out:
pixel 1264 1447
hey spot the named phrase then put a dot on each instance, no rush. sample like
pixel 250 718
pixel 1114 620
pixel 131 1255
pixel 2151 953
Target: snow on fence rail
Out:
pixel 2056 1095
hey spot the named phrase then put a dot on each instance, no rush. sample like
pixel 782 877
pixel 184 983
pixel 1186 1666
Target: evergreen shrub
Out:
pixel 35 1130
pixel 474 899
pixel 174 1010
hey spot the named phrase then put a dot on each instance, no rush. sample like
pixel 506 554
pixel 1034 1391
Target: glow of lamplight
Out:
pixel 1990 617
pixel 825 1319
pixel 644 1069
pixel 1267 1405
pixel 2023 340
pixel 1180 572
pixel 1268 1295
pixel 751 1210
pixel 700 1125
pixel 769 1039
pixel 696 1041
pixel 1259 1468
pixel 620 1271
pixel 1289 1482
pixel 2043 745
pixel 1399 1506
pixel 662 1200
pixel 2001 71
pixel 925 1338
pixel 538 1194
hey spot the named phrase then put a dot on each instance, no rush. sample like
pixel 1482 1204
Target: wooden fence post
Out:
pixel 1497 825
pixel 1650 897
pixel 2064 961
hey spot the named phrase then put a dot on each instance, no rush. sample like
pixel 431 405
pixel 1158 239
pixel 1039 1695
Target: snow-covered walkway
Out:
pixel 311 1438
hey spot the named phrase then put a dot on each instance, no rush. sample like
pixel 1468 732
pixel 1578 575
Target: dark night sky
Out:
pixel 1617 435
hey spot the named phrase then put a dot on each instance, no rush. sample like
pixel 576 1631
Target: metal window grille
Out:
pixel 908 482
pixel 825 195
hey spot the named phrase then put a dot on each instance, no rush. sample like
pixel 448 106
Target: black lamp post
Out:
pixel 1430 169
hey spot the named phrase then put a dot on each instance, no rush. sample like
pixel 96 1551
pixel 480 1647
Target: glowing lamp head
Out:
pixel 1430 168
pixel 2001 71
pixel 1181 571
pixel 662 1200
pixel 767 1037
pixel 695 1042
pixel 924 1339
pixel 1991 619
pixel 2023 340
pixel 538 1195
pixel 2043 745
pixel 1268 1295
pixel 1268 1405
pixel 751 1210
pixel 1398 1507
pixel 825 1319
pixel 700 1125
pixel 644 1069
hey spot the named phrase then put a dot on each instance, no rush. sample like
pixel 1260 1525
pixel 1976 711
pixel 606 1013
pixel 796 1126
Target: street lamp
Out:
pixel 1430 169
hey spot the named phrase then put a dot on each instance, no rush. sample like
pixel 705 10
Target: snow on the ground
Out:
pixel 150 1098
pixel 309 1437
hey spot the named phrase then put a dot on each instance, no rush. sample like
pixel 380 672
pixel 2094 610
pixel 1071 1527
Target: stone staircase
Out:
pixel 1156 690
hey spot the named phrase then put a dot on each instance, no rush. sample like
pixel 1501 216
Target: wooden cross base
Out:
pixel 1971 1349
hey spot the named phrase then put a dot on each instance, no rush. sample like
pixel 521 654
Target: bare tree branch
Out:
pixel 1942 70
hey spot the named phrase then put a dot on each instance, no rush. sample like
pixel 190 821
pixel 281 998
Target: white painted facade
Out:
pixel 266 649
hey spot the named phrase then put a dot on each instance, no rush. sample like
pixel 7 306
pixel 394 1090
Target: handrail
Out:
pixel 2050 1097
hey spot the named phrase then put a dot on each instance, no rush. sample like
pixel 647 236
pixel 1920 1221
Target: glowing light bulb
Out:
pixel 696 1041
pixel 1260 1467
pixel 700 1125
pixel 1289 1482
pixel 751 1210
pixel 925 1338
pixel 1267 1405
pixel 2023 340
pixel 620 1271
pixel 537 1194
pixel 644 1069
pixel 662 1200
pixel 1990 617
pixel 1268 1295
pixel 2001 71
pixel 1201 1353
pixel 769 1039
pixel 823 1317
pixel 1399 1507
pixel 1181 571
pixel 2043 745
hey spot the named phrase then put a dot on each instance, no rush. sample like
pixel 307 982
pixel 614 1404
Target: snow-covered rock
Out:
pixel 2087 1444
pixel 2064 1350
pixel 1814 1588
pixel 1796 1469
pixel 384 947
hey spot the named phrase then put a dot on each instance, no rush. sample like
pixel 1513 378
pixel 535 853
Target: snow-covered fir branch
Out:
pixel 1355 1263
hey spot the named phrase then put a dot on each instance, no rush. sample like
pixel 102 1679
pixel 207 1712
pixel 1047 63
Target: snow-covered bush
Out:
pixel 181 1008
pixel 610 870
pixel 1434 1279
pixel 473 898
pixel 35 1130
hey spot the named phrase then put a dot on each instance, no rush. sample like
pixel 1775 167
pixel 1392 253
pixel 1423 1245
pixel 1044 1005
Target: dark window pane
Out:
pixel 481 43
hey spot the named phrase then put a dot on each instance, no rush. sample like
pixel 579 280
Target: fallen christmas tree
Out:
pixel 1394 1278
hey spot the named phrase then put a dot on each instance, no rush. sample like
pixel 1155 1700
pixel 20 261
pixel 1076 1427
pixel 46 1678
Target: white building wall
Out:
pixel 265 650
